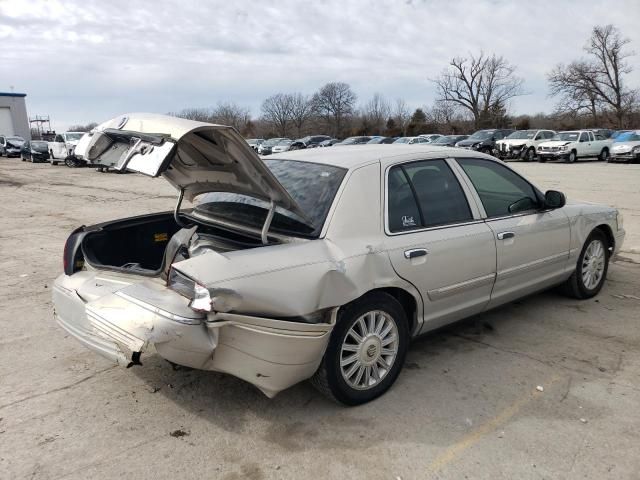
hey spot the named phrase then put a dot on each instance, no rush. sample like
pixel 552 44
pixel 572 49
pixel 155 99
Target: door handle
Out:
pixel 415 253
pixel 506 235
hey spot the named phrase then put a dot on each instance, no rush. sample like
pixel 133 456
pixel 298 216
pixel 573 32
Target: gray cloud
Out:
pixel 91 60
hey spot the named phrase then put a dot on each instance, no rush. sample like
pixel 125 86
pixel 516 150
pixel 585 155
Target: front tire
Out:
pixel 572 157
pixel 530 156
pixel 592 267
pixel 366 350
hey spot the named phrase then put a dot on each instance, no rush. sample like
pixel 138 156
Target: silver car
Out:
pixel 319 264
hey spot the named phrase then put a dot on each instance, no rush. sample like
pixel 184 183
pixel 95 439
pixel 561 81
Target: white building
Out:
pixel 13 115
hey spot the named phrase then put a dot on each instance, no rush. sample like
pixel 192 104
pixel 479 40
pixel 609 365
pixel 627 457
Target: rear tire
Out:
pixel 591 269
pixel 366 350
pixel 604 155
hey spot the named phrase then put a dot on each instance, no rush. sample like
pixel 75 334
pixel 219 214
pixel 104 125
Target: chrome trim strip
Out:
pixel 525 267
pixel 161 312
pixel 440 293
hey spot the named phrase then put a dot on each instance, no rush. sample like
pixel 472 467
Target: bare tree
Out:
pixel 599 80
pixel 376 112
pixel 570 84
pixel 276 110
pixel 301 111
pixel 197 114
pixel 334 102
pixel 481 84
pixel 401 115
pixel 232 114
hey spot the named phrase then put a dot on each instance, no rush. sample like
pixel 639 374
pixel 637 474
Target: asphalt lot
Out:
pixel 466 405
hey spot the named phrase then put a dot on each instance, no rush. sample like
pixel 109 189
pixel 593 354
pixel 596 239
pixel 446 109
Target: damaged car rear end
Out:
pixel 209 286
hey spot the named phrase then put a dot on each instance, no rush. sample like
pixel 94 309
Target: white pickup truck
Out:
pixel 574 145
pixel 63 145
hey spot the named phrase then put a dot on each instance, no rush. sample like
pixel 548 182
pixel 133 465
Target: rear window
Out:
pixel 313 186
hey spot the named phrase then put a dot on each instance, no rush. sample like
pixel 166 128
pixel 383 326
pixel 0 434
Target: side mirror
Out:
pixel 554 199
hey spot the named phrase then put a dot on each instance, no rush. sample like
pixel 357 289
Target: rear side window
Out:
pixel 501 191
pixel 425 194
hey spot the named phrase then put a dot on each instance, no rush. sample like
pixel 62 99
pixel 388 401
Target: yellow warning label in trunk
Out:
pixel 160 237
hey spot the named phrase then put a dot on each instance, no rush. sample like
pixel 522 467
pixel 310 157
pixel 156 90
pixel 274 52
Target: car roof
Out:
pixel 355 156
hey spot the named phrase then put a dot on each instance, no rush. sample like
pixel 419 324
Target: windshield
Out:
pixel 285 142
pixel 313 186
pixel 482 135
pixel 522 134
pixel 72 137
pixel 403 140
pixel 444 140
pixel 272 141
pixel 628 137
pixel 566 136
pixel 39 146
pixel 15 139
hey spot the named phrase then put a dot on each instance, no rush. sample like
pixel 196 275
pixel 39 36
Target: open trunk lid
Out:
pixel 195 157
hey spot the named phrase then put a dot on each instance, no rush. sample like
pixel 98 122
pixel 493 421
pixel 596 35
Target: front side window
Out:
pixel 501 191
pixel 425 194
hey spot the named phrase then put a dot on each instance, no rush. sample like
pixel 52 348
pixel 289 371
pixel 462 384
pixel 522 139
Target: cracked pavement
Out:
pixel 466 405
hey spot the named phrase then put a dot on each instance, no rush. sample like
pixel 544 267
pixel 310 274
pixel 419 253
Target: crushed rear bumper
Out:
pixel 269 353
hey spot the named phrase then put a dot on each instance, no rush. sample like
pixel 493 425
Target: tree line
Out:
pixel 472 92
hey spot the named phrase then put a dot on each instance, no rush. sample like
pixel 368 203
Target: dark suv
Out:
pixel 309 141
pixel 484 140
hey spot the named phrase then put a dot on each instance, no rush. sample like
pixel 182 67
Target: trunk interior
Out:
pixel 148 244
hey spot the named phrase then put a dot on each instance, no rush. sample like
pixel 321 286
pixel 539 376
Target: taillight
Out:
pixel 72 259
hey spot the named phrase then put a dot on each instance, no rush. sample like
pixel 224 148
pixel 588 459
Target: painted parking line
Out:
pixel 473 437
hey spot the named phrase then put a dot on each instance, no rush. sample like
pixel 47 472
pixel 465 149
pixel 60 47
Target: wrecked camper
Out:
pixel 316 264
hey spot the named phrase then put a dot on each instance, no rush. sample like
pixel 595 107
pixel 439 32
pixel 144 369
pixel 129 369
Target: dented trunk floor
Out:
pixel 466 405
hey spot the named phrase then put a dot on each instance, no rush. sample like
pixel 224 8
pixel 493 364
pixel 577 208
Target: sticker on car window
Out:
pixel 408 221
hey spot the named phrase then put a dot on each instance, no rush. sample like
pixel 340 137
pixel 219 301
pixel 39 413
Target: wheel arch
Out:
pixel 608 233
pixel 407 301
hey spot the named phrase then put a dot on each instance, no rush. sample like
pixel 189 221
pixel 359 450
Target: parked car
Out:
pixel 381 140
pixel 281 146
pixel 626 148
pixel 603 132
pixel 258 280
pixel 35 151
pixel 484 140
pixel 410 140
pixel 522 144
pixel 255 142
pixel 328 143
pixel 449 140
pixel 352 141
pixel 309 141
pixel 63 145
pixel 10 145
pixel 617 133
pixel 431 136
pixel 574 145
pixel 265 147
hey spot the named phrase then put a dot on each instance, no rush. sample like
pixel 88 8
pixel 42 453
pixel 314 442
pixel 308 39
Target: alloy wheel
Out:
pixel 593 264
pixel 369 350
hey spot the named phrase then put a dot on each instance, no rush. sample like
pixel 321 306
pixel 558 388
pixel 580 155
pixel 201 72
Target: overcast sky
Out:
pixel 82 61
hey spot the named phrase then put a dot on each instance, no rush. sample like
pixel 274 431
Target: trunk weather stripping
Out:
pixel 176 211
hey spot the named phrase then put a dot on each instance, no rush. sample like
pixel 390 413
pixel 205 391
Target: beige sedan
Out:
pixel 321 263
